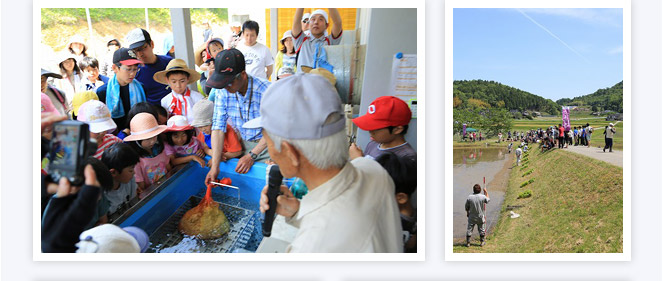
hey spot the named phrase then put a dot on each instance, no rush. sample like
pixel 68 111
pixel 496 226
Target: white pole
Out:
pixel 89 27
pixel 147 21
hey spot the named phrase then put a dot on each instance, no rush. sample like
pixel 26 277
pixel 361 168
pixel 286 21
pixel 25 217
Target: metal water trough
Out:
pixel 159 213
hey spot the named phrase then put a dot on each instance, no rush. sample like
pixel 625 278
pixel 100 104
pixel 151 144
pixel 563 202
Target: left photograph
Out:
pixel 225 130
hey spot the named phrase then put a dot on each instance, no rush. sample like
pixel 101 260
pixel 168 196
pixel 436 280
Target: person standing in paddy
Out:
pixel 475 206
pixel 140 42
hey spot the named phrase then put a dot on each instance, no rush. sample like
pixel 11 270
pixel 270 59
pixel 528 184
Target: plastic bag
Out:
pixel 206 221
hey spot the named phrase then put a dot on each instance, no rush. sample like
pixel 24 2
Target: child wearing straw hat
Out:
pixel 181 100
pixel 153 162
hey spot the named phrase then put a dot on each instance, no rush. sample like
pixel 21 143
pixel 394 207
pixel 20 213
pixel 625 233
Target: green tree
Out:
pixel 496 120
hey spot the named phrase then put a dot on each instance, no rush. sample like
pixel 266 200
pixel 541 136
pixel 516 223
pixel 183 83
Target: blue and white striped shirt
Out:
pixel 236 107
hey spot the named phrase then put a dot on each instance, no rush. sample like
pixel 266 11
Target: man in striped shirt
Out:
pixel 98 117
pixel 237 101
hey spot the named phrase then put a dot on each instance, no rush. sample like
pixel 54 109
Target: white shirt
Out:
pixel 257 58
pixel 353 212
pixel 67 88
pixel 192 99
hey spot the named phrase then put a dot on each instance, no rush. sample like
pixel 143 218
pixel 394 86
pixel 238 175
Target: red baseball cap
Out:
pixel 384 112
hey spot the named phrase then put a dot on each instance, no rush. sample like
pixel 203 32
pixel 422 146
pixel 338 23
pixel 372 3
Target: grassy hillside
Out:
pixel 576 206
pixel 58 25
pixel 481 93
pixel 603 99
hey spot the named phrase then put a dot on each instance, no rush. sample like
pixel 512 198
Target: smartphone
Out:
pixel 69 148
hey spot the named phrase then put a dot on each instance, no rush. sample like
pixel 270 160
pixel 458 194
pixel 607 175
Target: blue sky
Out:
pixel 553 53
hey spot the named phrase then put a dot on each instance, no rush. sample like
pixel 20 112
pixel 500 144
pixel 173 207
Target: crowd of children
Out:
pixel 140 138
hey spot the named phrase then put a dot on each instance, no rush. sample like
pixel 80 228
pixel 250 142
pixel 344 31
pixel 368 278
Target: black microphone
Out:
pixel 273 190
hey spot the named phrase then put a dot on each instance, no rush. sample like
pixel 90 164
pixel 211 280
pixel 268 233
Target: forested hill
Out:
pixel 603 99
pixel 491 94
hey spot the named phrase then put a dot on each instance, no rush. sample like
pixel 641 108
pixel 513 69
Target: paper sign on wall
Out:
pixel 404 77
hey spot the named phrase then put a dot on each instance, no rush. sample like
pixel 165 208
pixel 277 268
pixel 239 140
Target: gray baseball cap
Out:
pixel 297 107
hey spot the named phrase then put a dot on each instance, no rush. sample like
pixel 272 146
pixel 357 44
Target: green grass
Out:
pixel 576 206
pixel 525 194
pixel 158 16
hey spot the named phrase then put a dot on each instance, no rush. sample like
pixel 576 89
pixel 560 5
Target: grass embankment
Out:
pixel 468 144
pixel 597 123
pixel 576 206
pixel 58 25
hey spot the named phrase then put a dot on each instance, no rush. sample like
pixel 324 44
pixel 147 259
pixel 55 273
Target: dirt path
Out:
pixel 615 157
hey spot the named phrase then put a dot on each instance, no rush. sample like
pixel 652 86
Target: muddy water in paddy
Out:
pixel 470 165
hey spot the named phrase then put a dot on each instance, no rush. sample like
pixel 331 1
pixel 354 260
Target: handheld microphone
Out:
pixel 273 189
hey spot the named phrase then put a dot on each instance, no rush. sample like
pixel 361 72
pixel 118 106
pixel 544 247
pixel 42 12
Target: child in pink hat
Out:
pixel 181 144
pixel 154 163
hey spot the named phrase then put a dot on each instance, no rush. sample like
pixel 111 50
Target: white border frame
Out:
pixel 37 255
pixel 448 103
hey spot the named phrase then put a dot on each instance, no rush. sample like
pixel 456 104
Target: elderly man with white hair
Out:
pixel 350 206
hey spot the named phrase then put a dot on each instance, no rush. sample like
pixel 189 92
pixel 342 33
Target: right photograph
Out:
pixel 540 131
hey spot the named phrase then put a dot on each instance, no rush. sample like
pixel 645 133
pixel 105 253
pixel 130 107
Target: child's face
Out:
pixel 125 73
pixel 250 36
pixel 162 120
pixel 382 135
pixel 206 129
pixel 148 143
pixel 44 84
pixel 179 138
pixel 68 64
pixel 126 175
pixel 178 82
pixel 113 48
pixel 215 48
pixel 98 136
pixel 91 73
pixel 77 48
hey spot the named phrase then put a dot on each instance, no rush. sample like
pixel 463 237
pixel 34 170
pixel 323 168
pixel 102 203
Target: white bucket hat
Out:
pixel 110 238
pixel 97 116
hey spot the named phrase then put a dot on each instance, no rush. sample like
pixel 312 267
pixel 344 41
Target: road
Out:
pixel 615 157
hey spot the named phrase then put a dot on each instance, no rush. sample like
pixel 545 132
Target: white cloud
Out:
pixel 606 16
pixel 616 50
pixel 552 34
